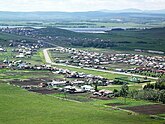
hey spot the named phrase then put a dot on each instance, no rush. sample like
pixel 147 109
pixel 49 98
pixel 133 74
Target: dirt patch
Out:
pixel 43 91
pixel 29 81
pixel 148 109
pixel 32 85
pixel 115 104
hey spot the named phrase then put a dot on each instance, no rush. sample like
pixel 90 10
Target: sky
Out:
pixel 79 5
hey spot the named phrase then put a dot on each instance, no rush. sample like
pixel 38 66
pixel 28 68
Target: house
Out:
pixel 3 66
pixel 28 53
pixel 73 89
pixel 43 85
pixel 119 70
pixel 2 50
pixel 87 88
pixel 77 82
pixel 69 88
pixel 23 66
pixel 57 83
pixel 155 52
pixel 138 50
pixel 105 92
pixel 21 55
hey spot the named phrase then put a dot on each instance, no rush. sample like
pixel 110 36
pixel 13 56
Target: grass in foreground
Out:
pixel 98 102
pixel 22 107
pixel 129 102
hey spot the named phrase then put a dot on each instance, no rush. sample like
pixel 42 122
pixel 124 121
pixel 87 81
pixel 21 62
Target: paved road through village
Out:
pixel 49 61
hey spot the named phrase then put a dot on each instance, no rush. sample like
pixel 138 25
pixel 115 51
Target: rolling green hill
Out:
pixel 147 39
pixel 143 39
pixel 5 38
pixel 153 39
pixel 22 107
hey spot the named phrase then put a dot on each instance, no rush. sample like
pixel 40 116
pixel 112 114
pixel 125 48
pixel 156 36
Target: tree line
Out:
pixel 152 92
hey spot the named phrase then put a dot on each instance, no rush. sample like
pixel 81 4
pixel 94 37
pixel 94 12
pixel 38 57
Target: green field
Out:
pixel 120 100
pixel 129 24
pixel 80 24
pixel 9 74
pixel 88 24
pixel 22 107
pixel 118 87
pixel 35 59
pixel 5 38
pixel 85 97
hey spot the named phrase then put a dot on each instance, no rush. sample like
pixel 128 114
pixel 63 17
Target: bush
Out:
pixel 149 86
pixel 116 93
pixel 149 94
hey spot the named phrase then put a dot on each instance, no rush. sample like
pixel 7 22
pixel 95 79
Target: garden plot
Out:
pixel 148 109
pixel 29 81
pixel 44 91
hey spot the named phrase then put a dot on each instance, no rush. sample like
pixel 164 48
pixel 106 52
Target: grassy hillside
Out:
pixel 22 107
pixel 122 40
pixel 153 39
pixel 5 38
pixel 142 39
pixel 132 39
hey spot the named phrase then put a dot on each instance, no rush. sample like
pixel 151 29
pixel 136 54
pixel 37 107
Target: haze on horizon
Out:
pixel 79 5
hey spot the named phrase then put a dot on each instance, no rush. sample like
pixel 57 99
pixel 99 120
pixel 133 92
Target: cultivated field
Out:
pixel 148 109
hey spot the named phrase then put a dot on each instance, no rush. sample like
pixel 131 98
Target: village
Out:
pixel 73 81
pixel 82 62
pixel 137 62
pixel 24 65
pixel 152 64
pixel 19 58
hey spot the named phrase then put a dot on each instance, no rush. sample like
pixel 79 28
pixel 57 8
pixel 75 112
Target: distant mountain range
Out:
pixel 91 15
pixel 132 10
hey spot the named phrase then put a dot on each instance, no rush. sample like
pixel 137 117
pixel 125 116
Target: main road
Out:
pixel 49 61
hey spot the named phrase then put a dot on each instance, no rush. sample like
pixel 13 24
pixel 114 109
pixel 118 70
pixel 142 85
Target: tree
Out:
pixel 133 93
pixel 116 93
pixel 149 86
pixel 96 83
pixel 162 96
pixel 160 84
pixel 124 91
